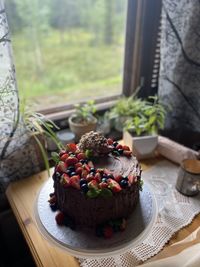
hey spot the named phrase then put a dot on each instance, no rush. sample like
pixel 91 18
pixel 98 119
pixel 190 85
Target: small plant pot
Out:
pixel 142 146
pixel 80 129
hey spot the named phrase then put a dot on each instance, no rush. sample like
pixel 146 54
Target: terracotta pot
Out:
pixel 79 129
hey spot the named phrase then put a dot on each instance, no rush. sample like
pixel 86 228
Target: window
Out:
pixel 67 51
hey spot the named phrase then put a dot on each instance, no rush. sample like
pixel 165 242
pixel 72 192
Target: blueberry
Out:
pixel 84 188
pixel 110 176
pixel 82 161
pixel 125 178
pixel 104 180
pixel 56 176
pixel 71 168
pixel 82 181
pixel 115 144
pixel 68 172
pixel 120 151
pixel 72 173
pixel 124 183
pixel 92 170
pixel 99 231
pixel 53 206
pixel 51 194
pixel 85 161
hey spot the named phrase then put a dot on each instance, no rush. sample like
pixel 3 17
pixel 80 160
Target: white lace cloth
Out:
pixel 178 212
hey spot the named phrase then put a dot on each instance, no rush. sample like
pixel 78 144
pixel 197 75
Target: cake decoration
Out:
pixel 96 181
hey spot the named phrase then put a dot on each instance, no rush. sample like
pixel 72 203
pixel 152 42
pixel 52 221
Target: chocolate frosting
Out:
pixel 92 211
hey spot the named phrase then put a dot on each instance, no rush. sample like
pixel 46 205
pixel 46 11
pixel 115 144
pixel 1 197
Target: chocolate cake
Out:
pixel 96 181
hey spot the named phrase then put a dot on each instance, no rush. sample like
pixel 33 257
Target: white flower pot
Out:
pixel 142 146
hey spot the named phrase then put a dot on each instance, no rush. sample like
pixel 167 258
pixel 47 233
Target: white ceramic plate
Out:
pixel 83 242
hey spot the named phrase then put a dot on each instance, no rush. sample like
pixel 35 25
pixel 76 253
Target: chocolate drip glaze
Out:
pixel 92 211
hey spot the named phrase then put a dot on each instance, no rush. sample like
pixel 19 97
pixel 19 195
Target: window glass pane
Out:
pixel 67 50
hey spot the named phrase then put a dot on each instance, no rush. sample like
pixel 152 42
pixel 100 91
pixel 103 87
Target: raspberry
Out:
pixel 60 218
pixel 108 232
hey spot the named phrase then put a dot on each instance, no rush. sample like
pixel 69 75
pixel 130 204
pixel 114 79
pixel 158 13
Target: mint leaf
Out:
pixel 104 192
pixel 92 193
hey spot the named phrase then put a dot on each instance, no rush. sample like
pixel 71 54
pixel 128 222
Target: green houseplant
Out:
pixel 140 121
pixel 83 119
pixel 39 129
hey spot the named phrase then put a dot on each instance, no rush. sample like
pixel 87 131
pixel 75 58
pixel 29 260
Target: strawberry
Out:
pixel 52 199
pixel 84 173
pixel 62 152
pixel 118 178
pixel 75 181
pixel 60 218
pixel 97 177
pixel 86 167
pixel 61 167
pixel 119 146
pixel 77 165
pixel 132 179
pixel 71 147
pixel 113 185
pixel 64 157
pixel 93 185
pixel 81 156
pixel 127 153
pixel 65 180
pixel 107 231
pixel 90 164
pixel 71 161
pixel 79 170
pixel 109 141
pixel 103 185
pixel 89 177
pixel 126 148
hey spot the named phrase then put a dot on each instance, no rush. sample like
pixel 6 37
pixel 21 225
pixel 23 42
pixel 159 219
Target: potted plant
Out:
pixel 83 120
pixel 140 121
pixel 141 130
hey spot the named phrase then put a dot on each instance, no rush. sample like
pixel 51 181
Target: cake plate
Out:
pixel 83 243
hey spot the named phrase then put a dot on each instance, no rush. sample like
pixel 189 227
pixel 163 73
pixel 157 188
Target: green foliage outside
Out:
pixel 66 51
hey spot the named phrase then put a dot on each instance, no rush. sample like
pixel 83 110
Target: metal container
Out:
pixel 188 181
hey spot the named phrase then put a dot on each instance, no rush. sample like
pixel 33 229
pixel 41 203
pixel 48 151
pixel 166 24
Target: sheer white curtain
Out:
pixel 17 154
pixel 180 65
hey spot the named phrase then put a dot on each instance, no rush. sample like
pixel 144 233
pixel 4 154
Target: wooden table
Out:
pixel 22 195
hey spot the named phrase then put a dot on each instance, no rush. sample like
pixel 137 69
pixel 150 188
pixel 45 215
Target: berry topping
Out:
pixel 84 188
pixel 73 173
pixel 64 156
pixel 82 181
pixel 81 156
pixel 97 177
pixel 124 183
pixel 60 218
pixel 65 180
pixel 93 185
pixel 103 185
pixel 126 148
pixel 75 181
pixel 113 185
pixel 77 165
pixel 71 147
pixel 127 153
pixel 115 144
pixel 71 160
pixel 118 178
pixel 119 146
pixel 109 141
pixel 61 167
pixel 107 231
pixel 79 170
